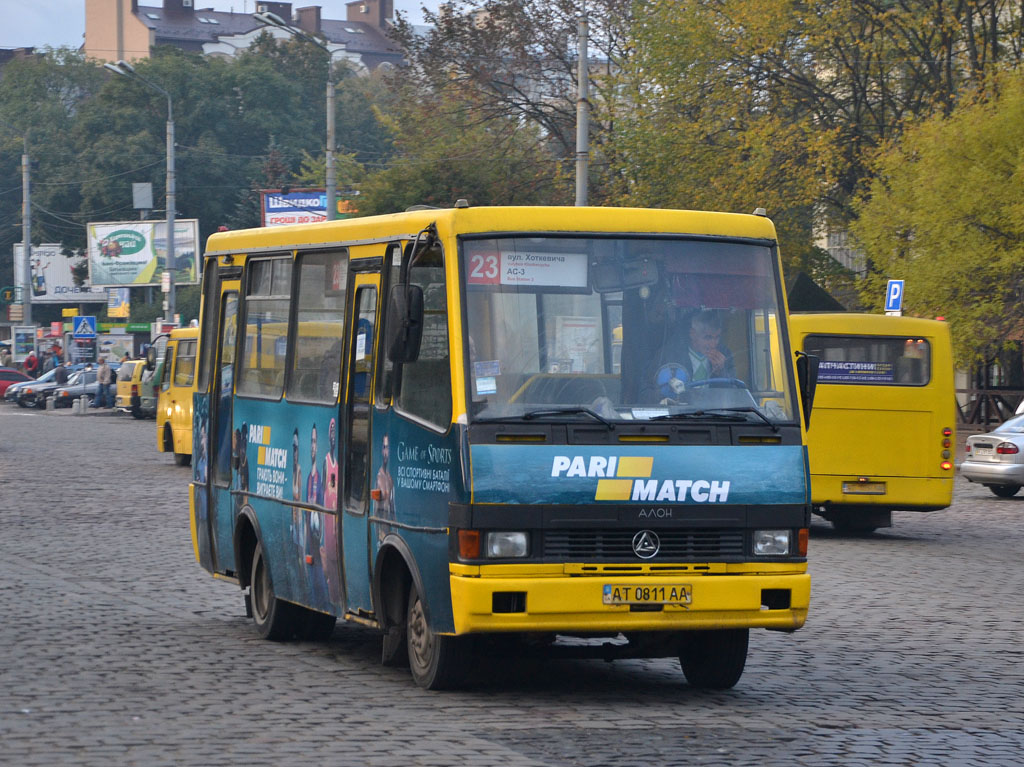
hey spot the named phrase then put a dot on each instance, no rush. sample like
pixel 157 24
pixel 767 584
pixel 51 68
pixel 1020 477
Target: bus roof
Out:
pixel 859 324
pixel 494 219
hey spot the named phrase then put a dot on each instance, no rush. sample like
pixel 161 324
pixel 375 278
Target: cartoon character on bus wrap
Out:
pixel 329 546
pixel 384 506
pixel 309 528
pixel 200 472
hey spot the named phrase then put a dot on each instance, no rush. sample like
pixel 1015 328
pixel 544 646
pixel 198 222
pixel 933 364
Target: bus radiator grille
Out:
pixel 617 544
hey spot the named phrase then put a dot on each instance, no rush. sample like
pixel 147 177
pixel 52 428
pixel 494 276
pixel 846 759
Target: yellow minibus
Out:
pixel 882 437
pixel 174 398
pixel 539 422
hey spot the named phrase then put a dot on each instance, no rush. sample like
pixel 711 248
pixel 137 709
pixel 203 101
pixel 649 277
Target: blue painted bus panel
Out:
pixel 688 475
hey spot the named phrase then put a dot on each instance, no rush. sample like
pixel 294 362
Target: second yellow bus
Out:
pixel 882 435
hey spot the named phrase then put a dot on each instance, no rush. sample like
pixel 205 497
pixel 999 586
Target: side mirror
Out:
pixel 151 357
pixel 807 377
pixel 405 323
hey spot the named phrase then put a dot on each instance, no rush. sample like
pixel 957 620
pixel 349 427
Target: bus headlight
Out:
pixel 771 543
pixel 506 545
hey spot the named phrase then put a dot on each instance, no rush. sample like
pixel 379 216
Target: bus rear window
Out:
pixel 871 360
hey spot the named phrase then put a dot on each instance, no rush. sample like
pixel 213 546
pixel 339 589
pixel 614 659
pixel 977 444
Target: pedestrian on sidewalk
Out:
pixel 104 377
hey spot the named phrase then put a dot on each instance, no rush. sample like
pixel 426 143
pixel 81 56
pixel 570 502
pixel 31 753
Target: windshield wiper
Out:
pixel 567 411
pixel 718 412
pixel 695 414
pixel 532 414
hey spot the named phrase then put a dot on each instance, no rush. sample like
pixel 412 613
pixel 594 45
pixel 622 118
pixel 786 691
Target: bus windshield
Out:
pixel 624 329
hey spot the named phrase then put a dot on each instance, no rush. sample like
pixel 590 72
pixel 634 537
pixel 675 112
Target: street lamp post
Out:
pixel 125 69
pixel 273 20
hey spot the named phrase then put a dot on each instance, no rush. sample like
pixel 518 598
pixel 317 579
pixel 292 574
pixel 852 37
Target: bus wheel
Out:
pixel 714 660
pixel 437 662
pixel 1004 491
pixel 183 459
pixel 273 618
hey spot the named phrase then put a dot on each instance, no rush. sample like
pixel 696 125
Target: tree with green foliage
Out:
pixel 444 153
pixel 945 213
pixel 508 62
pixel 780 103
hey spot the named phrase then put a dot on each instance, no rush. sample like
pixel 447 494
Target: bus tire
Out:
pixel 714 660
pixel 183 459
pixel 274 619
pixel 1005 491
pixel 437 662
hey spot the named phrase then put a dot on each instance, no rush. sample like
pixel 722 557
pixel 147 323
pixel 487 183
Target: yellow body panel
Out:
pixel 123 388
pixel 174 404
pixel 561 602
pixel 881 433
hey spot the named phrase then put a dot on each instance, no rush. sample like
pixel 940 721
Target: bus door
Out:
pixel 356 483
pixel 222 517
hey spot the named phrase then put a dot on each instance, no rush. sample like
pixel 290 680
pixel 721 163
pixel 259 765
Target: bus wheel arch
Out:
pixel 273 618
pixel 395 571
pixel 247 537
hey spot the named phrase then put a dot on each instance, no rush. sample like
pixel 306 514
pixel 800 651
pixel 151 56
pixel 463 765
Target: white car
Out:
pixel 996 459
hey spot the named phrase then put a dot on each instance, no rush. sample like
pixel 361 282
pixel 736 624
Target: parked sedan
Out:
pixel 81 384
pixel 996 459
pixel 10 376
pixel 34 393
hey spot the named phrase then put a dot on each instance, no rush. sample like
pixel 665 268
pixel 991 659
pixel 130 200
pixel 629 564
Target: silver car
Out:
pixel 996 459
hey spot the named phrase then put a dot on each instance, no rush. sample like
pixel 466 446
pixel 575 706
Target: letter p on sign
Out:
pixel 894 297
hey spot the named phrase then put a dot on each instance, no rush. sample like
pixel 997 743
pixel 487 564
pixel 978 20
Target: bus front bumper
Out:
pixel 561 603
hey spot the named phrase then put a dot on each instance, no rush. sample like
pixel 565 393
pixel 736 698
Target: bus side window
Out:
pixel 267 302
pixel 315 371
pixel 426 385
pixel 385 367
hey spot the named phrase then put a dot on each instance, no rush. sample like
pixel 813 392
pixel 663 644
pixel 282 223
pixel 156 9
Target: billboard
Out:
pixel 299 206
pixel 132 253
pixel 50 275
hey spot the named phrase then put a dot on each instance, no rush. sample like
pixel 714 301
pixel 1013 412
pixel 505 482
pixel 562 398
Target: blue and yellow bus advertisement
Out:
pixel 539 423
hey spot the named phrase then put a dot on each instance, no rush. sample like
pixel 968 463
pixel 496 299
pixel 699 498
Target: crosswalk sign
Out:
pixel 84 327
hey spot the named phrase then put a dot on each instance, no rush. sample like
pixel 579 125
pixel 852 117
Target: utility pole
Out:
pixel 582 115
pixel 125 69
pixel 26 236
pixel 270 19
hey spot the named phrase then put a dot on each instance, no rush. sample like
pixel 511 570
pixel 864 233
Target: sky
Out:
pixel 38 23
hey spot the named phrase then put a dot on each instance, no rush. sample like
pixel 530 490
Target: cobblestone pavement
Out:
pixel 117 649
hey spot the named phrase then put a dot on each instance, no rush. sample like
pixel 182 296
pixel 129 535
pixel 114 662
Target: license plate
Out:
pixel 647 594
pixel 983 449
pixel 864 488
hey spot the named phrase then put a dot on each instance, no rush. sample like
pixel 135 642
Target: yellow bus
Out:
pixel 536 422
pixel 175 384
pixel 882 437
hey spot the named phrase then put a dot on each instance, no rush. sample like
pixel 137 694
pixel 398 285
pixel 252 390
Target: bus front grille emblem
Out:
pixel 646 544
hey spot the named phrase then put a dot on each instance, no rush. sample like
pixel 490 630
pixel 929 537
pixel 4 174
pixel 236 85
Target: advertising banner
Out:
pixel 24 342
pixel 51 278
pixel 118 302
pixel 299 206
pixel 132 253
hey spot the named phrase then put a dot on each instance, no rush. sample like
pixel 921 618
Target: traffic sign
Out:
pixel 894 297
pixel 84 326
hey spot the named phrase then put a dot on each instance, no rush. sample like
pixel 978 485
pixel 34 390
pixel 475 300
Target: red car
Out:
pixel 10 376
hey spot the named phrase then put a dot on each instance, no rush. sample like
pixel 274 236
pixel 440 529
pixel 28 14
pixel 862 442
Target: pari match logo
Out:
pixel 628 478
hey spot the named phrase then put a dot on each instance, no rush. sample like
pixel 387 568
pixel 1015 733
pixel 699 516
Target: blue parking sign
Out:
pixel 894 296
